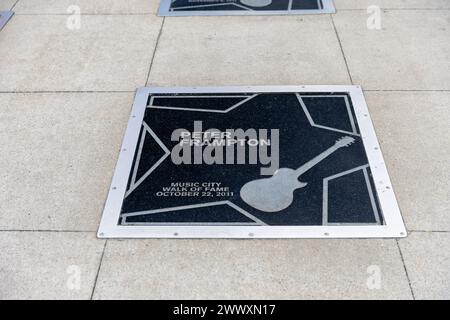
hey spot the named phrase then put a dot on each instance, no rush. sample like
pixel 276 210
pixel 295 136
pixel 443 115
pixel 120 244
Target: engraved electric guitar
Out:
pixel 256 3
pixel 277 192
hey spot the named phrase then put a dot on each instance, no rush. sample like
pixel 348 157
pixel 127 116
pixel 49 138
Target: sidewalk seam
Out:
pixel 133 91
pixel 66 91
pixel 406 270
pixel 14 5
pixel 98 270
pixel 398 9
pixel 155 15
pixel 342 49
pixel 154 51
pixel 48 230
pixel 86 14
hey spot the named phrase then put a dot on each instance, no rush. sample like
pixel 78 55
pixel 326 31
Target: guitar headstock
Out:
pixel 345 142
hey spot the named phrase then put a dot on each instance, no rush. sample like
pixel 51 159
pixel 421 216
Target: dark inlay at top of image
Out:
pixel 244 5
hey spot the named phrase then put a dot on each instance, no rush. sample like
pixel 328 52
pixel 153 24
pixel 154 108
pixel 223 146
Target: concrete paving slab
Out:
pixel 6 5
pixel 51 183
pixel 112 53
pixel 413 131
pixel 87 6
pixel 224 269
pixel 252 51
pixel 427 260
pixel 61 151
pixel 389 4
pixel 410 52
pixel 41 265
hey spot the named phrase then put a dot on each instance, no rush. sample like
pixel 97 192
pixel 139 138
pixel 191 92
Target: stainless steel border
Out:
pixel 393 227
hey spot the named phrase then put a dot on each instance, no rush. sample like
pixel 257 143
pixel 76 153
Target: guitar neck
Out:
pixel 307 166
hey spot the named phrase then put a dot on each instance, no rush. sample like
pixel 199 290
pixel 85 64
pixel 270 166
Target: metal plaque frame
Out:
pixel 4 18
pixel 393 226
pixel 165 11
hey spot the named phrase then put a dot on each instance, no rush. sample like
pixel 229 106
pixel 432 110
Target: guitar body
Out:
pixel 272 194
pixel 256 3
pixel 277 193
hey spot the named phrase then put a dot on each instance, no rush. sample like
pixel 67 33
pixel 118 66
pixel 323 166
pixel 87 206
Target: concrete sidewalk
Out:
pixel 65 98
